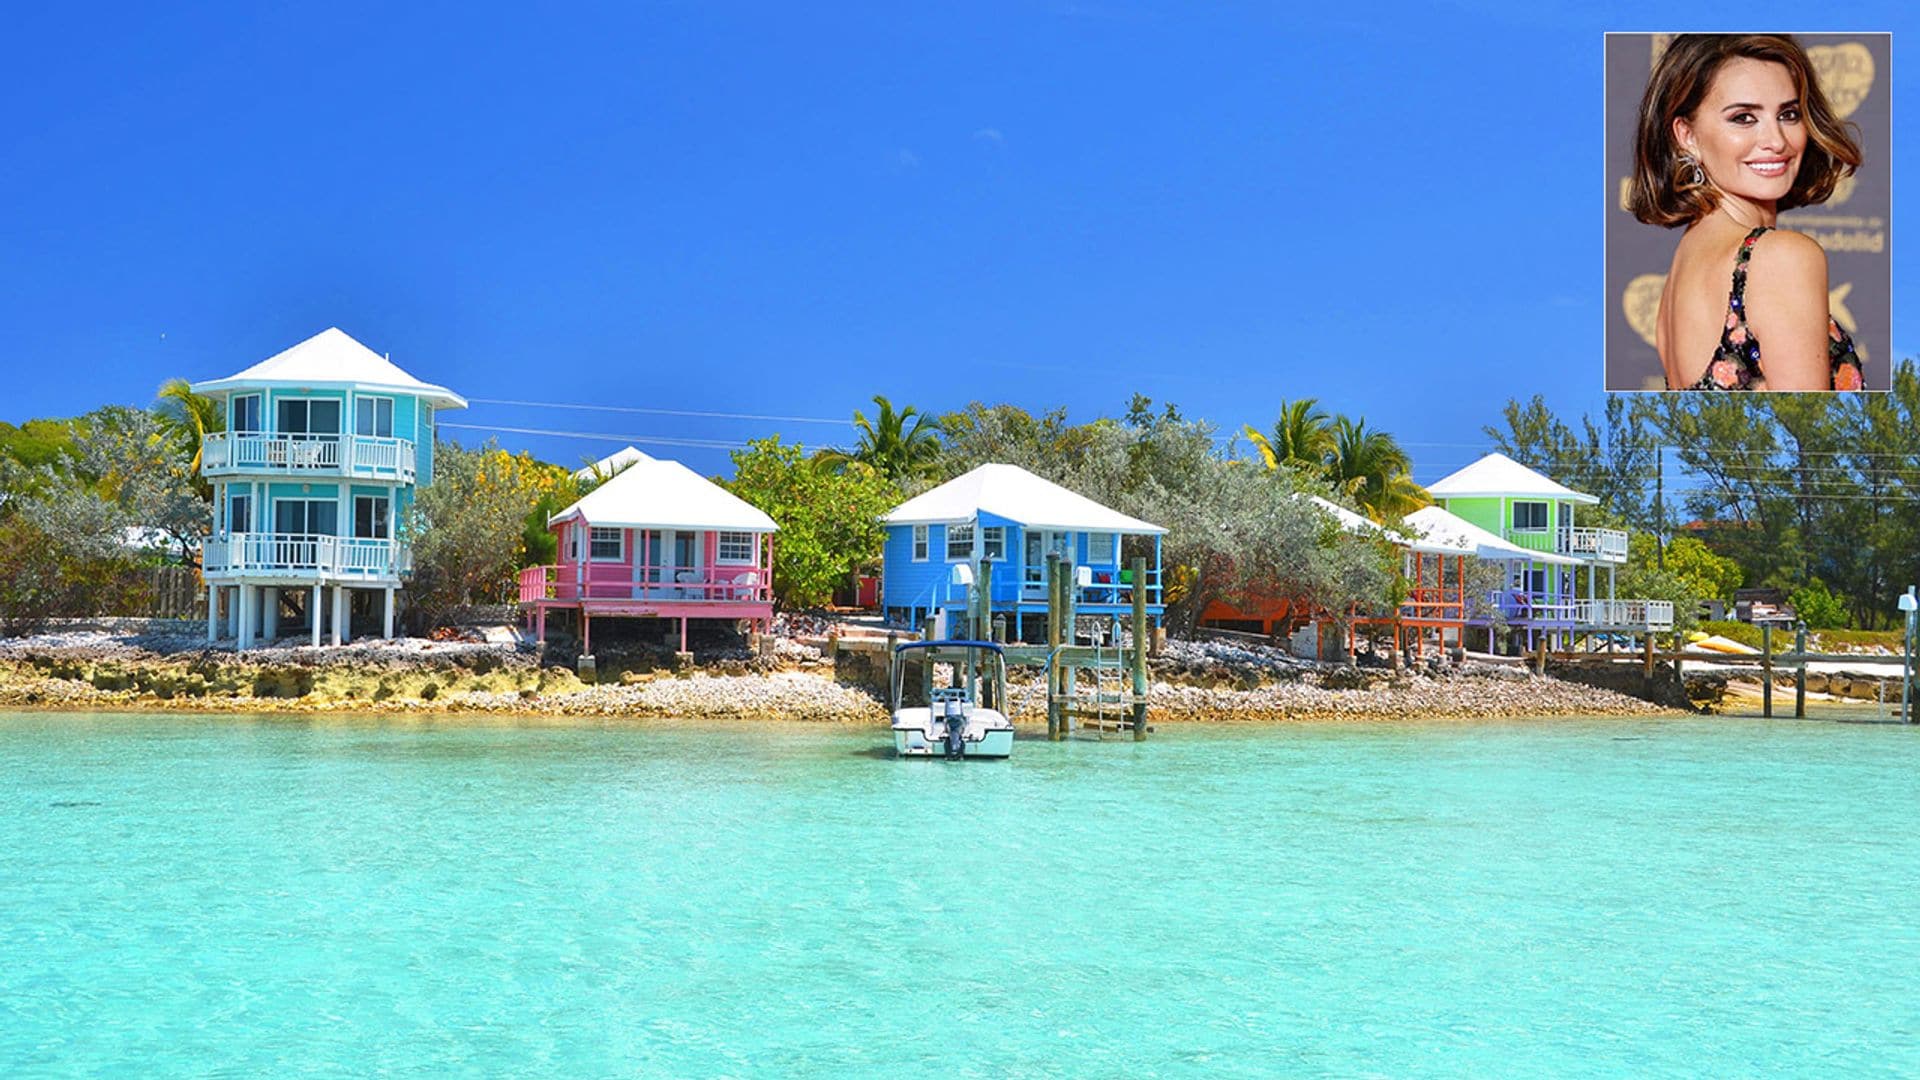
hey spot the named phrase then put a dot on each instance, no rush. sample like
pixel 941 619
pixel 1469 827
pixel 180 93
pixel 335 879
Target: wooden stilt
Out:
pixel 586 633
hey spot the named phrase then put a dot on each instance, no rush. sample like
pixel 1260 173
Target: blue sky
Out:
pixel 781 210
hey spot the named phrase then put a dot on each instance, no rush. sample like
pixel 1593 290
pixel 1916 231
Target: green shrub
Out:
pixel 1818 607
pixel 1744 633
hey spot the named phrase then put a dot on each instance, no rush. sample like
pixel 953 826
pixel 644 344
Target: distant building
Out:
pixel 1532 517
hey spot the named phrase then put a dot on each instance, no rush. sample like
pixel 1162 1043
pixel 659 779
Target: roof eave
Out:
pixel 439 396
pixel 1566 496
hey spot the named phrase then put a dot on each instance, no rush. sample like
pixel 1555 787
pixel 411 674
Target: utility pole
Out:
pixel 1660 505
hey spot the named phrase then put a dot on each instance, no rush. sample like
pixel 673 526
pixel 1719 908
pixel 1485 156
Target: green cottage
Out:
pixel 1544 553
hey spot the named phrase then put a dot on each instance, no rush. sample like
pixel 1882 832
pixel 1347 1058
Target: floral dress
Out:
pixel 1736 363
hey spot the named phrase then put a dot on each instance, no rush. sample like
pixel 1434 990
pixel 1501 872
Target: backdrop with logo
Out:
pixel 1852 226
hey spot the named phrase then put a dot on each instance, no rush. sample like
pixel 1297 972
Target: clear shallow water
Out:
pixel 194 896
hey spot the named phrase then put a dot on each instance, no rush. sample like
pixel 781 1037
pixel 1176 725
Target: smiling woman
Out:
pixel 1731 131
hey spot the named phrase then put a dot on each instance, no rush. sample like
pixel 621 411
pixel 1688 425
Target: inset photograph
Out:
pixel 1748 212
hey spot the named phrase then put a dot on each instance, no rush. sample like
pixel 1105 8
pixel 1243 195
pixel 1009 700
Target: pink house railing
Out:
pixel 708 584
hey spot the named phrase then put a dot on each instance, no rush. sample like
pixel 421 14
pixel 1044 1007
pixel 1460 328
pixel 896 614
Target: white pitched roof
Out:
pixel 1498 475
pixel 1450 534
pixel 1350 521
pixel 658 494
pixel 611 464
pixel 331 358
pixel 1012 492
pixel 1357 525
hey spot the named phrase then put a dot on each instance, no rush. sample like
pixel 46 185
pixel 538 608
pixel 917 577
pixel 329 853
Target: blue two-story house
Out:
pixel 1005 515
pixel 325 445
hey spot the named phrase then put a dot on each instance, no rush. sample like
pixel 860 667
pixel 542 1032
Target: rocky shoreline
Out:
pixel 1194 682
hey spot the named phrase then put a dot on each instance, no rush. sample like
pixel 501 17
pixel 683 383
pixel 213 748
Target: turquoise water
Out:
pixel 220 896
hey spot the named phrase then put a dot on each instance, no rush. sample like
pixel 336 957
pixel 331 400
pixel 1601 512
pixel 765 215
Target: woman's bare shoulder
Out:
pixel 1787 258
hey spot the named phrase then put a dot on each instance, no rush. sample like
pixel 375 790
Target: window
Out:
pixel 1100 548
pixel 608 545
pixel 240 514
pixel 370 517
pixel 960 541
pixel 1530 516
pixel 573 543
pixel 736 548
pixel 309 416
pixel 374 417
pixel 919 543
pixel 1536 581
pixel 993 542
pixel 246 413
pixel 306 517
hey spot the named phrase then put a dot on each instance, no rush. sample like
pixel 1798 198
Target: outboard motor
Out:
pixel 956 718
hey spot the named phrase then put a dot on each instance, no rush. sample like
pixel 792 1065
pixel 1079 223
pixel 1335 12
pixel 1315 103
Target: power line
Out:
pixel 601 436
pixel 661 412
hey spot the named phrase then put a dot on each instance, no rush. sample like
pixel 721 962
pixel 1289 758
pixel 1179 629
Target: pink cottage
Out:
pixel 656 541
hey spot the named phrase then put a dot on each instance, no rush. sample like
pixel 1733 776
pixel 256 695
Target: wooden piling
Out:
pixel 983 611
pixel 1766 670
pixel 1139 648
pixel 1800 673
pixel 1053 647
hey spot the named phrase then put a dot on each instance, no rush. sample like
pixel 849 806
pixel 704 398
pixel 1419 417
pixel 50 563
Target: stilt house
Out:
pixel 1007 517
pixel 324 448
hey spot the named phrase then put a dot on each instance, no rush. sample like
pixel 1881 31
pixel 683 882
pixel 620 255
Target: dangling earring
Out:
pixel 1690 168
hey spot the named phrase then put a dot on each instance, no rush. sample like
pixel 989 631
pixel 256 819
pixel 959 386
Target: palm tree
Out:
pixel 1303 435
pixel 894 448
pixel 1370 468
pixel 188 417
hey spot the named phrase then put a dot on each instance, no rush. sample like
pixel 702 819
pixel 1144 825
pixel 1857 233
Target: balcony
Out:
pixel 571 584
pixel 1598 545
pixel 1652 614
pixel 262 453
pixel 1541 609
pixel 306 557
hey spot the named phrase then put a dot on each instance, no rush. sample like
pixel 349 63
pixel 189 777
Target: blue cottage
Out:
pixel 1005 515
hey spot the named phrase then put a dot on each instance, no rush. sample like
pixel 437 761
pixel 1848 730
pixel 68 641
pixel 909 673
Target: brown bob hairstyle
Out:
pixel 1663 191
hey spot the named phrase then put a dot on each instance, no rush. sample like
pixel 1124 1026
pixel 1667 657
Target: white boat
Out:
pixel 965 718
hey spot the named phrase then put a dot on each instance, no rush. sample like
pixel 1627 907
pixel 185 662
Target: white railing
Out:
pixel 358 455
pixel 1607 545
pixel 1518 605
pixel 298 553
pixel 1652 614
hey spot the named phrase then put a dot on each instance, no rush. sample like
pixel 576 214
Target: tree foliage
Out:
pixel 468 527
pixel 829 521
pixel 1231 524
pixel 1793 488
